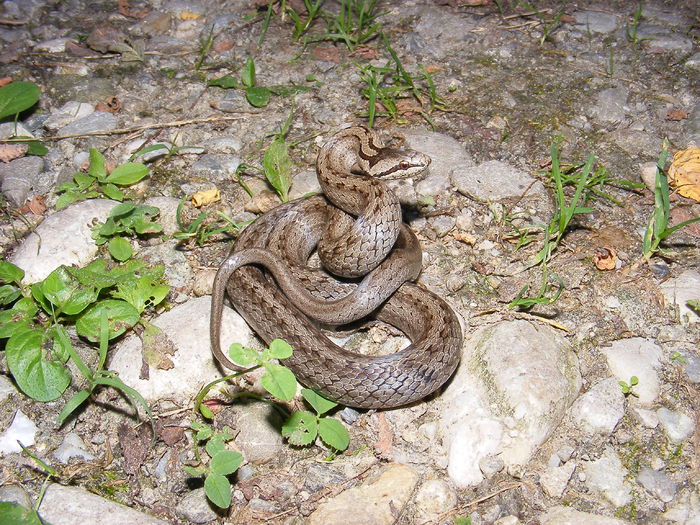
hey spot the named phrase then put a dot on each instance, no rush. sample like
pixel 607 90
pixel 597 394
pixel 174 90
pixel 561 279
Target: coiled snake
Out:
pixel 360 239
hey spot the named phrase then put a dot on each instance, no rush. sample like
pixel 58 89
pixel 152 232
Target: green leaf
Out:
pixel 226 82
pixel 142 292
pixel 15 514
pixel 128 173
pixel 258 97
pixel 288 90
pixel 36 148
pixel 11 323
pixel 278 167
pixel 141 226
pixel 218 490
pixel 38 375
pixel 225 462
pixel 120 314
pixel 280 349
pixel 15 97
pixel 333 433
pixel 122 210
pixel 120 248
pixel 248 73
pixel 25 306
pixel 83 180
pixel 301 428
pixel 72 404
pixel 9 293
pixel 279 381
pixel 114 193
pixel 320 404
pixel 65 292
pixel 9 273
pixel 194 472
pixel 97 166
pixel 68 198
pixel 242 355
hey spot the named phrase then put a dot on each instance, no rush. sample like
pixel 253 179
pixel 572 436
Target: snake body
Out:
pixel 368 257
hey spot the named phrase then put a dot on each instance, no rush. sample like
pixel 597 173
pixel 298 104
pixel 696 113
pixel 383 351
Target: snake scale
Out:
pixel 368 259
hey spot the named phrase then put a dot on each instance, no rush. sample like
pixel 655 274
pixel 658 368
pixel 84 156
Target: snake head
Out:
pixel 391 164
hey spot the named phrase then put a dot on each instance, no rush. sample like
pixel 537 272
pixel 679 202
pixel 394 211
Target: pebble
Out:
pixel 15 494
pixel 72 447
pixel 555 479
pixel 607 476
pixel 259 437
pixel 64 237
pixel 187 327
pixel 677 291
pixel 610 107
pixel 600 409
pixel 686 508
pixel 97 121
pixel 7 388
pixel 178 271
pixel 372 502
pixel 595 21
pixel 195 507
pixel 636 357
pixel 304 183
pixel 490 465
pixel 434 497
pixel 168 212
pixel 319 475
pixel 677 425
pixel 657 483
pixel 21 429
pixel 75 506
pixel 67 114
pixel 18 176
pixel 560 515
pixel 494 180
pixel 215 167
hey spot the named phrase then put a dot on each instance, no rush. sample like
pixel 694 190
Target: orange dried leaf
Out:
pixel 605 258
pixel 10 152
pixel 202 198
pixel 188 15
pixel 684 173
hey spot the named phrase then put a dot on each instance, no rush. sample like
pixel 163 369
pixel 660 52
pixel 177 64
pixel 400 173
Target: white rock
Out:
pixel 636 357
pixel 646 417
pixel 677 425
pixel 11 129
pixel 75 506
pixel 555 479
pixel 6 388
pixel 55 45
pixel 66 238
pixel 72 447
pixel 679 290
pixel 601 408
pixel 686 509
pixel 607 476
pixel 168 212
pixel 259 437
pixel 433 498
pixel 21 429
pixel 494 180
pixel 505 402
pixel 67 113
pixel 507 520
pixel 187 326
pixel 657 483
pixel 571 516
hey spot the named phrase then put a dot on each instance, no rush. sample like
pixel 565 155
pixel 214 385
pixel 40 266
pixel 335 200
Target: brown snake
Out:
pixel 358 234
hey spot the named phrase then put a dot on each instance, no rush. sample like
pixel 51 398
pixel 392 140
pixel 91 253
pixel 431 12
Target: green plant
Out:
pixel 657 226
pixel 257 96
pixel 694 305
pixel 204 48
pixel 277 166
pixel 547 25
pixel 203 228
pixel 126 218
pixel 100 303
pixel 98 183
pixel 17 514
pixel 301 26
pixel 627 387
pixel 632 27
pixel 354 24
pixel 15 98
pixel 544 296
pixel 303 427
pixel 221 462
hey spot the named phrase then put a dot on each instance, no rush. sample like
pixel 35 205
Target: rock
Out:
pixel 7 388
pixel 215 167
pixel 601 408
pixel 505 403
pixel 168 212
pixel 187 327
pixel 320 475
pixel 55 45
pixel 595 21
pixel 178 272
pixel 195 507
pixel 72 447
pixel 610 107
pixel 303 183
pixel 636 357
pixel 490 465
pixel 21 429
pixel 571 516
pixel 10 129
pixel 607 476
pixel 433 498
pixel 372 503
pixel 66 238
pixel 679 290
pixel 97 121
pixel 67 114
pixel 494 180
pixel 678 426
pixel 507 520
pixel 646 417
pixel 18 176
pixel 15 494
pixel 259 436
pixel 657 483
pixel 686 509
pixel 75 506
pixel 555 479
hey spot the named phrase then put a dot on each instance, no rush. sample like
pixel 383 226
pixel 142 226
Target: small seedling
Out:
pixel 678 358
pixel 547 25
pixel 15 98
pixel 548 293
pixel 277 166
pixel 632 27
pixel 205 226
pixel 98 183
pixel 125 219
pixel 303 427
pixel 627 387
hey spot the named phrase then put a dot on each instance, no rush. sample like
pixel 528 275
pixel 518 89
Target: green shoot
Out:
pixel 632 27
pixel 627 387
pixel 547 25
pixel 302 428
pixel 205 227
pixel 547 294
pixel 126 218
pixel 204 48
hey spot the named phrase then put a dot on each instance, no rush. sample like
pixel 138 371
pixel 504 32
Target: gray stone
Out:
pixel 677 291
pixel 72 446
pixel 75 506
pixel 490 465
pixel 215 167
pixel 7 388
pixel 555 479
pixel 318 476
pixel 595 21
pixel 657 483
pixel 67 114
pixel 442 224
pixel 434 497
pixel 187 327
pixel 21 429
pixel 677 425
pixel 12 129
pixel 636 357
pixel 63 238
pixel 259 436
pixel 610 106
pixel 685 509
pixel 168 212
pixel 55 45
pixel 227 145
pixel 304 183
pixel 18 176
pixel 195 507
pixel 494 180
pixel 607 476
pixel 15 494
pixel 178 272
pixel 97 121
pixel 571 516
pixel 601 408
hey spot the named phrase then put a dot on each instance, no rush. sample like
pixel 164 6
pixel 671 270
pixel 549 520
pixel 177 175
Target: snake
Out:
pixel 367 263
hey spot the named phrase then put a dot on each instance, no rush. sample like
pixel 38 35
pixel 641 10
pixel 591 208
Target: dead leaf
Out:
pixel 202 198
pixel 5 80
pixel 223 44
pixel 366 52
pixel 326 53
pixel 157 346
pixel 34 205
pixel 605 258
pixel 385 435
pixel 135 444
pixel 10 152
pixel 111 105
pixel 262 202
pixel 676 114
pixel 432 68
pixel 125 9
pixel 684 173
pixel 188 15
pixel 466 238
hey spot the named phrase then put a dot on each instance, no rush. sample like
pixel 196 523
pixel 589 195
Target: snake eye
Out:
pixel 404 165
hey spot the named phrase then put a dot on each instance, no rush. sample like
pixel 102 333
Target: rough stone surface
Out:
pixel 63 238
pixel 570 516
pixel 677 425
pixel 21 429
pixel 72 447
pixel 495 180
pixel 555 479
pixel 636 357
pixel 195 507
pixel 371 503
pixel 434 497
pixel 259 436
pixel 679 290
pixel 601 408
pixel 657 483
pixel 607 476
pixel 18 176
